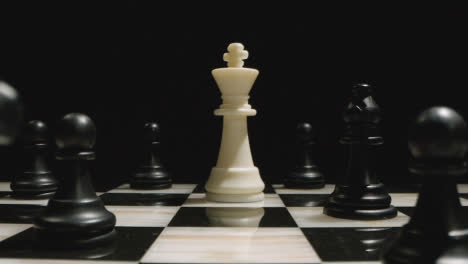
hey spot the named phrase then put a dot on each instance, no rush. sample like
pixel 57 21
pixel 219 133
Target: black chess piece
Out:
pixel 75 217
pixel 360 194
pixel 36 180
pixel 438 142
pixel 455 254
pixel 306 173
pixel 151 173
pixel 11 113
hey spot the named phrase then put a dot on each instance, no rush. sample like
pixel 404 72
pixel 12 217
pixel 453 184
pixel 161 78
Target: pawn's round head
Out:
pixel 305 132
pixel 439 133
pixel 11 113
pixel 151 132
pixel 35 131
pixel 76 131
pixel 362 90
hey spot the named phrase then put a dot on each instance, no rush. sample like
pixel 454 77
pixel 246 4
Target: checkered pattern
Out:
pixel 178 225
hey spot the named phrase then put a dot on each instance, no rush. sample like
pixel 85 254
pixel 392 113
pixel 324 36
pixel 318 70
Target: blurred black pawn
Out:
pixel 151 173
pixel 75 217
pixel 438 142
pixel 360 194
pixel 11 113
pixel 36 180
pixel 454 254
pixel 305 174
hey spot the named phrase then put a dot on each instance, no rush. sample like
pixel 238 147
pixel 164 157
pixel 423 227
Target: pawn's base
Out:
pixel 33 185
pixel 296 184
pixel 403 253
pixel 416 245
pixel 360 214
pixel 151 178
pixel 141 185
pixel 62 240
pixel 31 195
pixel 305 178
pixel 235 198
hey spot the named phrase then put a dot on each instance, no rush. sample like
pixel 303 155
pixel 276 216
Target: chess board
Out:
pixel 178 225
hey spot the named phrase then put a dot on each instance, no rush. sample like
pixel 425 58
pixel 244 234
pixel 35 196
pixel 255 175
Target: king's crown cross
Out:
pixel 236 55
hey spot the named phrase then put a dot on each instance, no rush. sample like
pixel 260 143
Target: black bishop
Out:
pixel 360 194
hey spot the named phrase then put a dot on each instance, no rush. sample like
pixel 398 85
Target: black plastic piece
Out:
pixel 306 174
pixel 36 180
pixel 360 194
pixel 151 174
pixel 438 228
pixel 75 216
pixel 11 113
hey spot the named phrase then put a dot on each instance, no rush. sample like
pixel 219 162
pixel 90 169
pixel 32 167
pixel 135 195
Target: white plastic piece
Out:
pixel 236 55
pixel 234 217
pixel 235 178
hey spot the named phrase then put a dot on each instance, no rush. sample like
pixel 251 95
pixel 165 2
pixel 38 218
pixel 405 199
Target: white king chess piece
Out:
pixel 235 179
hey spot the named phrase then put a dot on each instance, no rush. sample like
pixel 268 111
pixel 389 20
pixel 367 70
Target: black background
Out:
pixel 125 63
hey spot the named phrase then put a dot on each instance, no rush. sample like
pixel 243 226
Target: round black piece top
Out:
pixel 11 113
pixel 76 131
pixel 439 133
pixel 362 90
pixel 362 107
pixel 151 132
pixel 305 132
pixel 35 131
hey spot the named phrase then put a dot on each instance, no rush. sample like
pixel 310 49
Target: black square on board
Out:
pixel 233 217
pixel 406 210
pixel 145 199
pixel 409 188
pixel 410 210
pixel 130 245
pixel 19 213
pixel 304 200
pixel 200 188
pixel 351 244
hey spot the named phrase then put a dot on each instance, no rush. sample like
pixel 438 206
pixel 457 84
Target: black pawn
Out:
pixel 305 174
pixel 438 142
pixel 11 113
pixel 151 173
pixel 36 180
pixel 75 217
pixel 360 194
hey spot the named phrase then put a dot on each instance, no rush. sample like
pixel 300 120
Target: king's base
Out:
pixel 234 217
pixel 234 185
pixel 235 198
